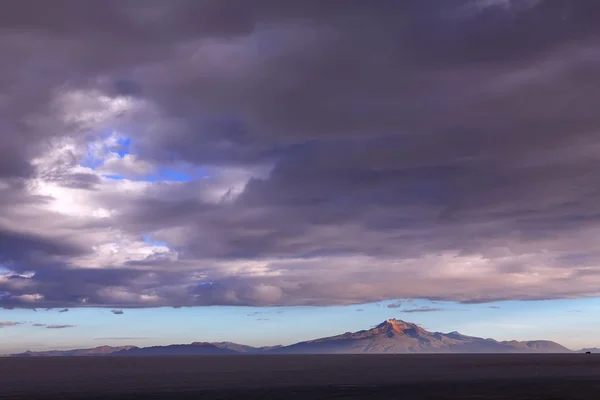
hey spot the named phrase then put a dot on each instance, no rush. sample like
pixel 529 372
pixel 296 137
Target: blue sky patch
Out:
pixel 165 175
pixel 122 147
pixel 152 242
pixel 114 177
pixel 168 174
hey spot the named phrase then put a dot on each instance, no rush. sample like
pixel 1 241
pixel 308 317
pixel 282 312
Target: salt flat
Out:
pixel 498 376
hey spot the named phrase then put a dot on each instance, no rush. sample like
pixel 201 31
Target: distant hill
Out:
pixel 591 350
pixel 391 336
pixel 196 348
pixel 96 351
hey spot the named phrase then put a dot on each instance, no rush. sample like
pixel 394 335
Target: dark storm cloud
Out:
pixel 387 82
pixel 16 246
pixel 356 152
pixel 64 310
pixel 25 251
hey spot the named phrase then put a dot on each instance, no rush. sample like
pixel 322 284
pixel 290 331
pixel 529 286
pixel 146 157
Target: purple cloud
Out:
pixel 442 182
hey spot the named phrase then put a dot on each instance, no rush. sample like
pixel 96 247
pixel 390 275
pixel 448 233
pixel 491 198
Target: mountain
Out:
pixel 96 351
pixel 391 336
pixel 396 336
pixel 240 348
pixel 194 349
pixel 538 346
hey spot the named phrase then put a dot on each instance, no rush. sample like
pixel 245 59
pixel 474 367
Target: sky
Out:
pixel 187 161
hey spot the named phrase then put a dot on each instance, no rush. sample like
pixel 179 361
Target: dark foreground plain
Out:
pixel 419 376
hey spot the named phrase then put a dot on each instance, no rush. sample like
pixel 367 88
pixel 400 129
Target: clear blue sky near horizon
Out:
pixel 568 322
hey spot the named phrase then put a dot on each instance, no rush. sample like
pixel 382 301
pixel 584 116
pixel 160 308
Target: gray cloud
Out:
pixel 421 309
pixel 64 310
pixel 59 326
pixel 117 312
pixel 122 338
pixel 397 304
pixel 354 153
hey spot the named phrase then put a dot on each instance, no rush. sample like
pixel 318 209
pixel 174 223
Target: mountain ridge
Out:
pixel 391 336
pixel 94 351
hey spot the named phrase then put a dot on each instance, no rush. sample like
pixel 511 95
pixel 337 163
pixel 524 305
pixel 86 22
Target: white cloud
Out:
pixel 29 298
pixel 91 108
pixel 121 249
pixel 126 166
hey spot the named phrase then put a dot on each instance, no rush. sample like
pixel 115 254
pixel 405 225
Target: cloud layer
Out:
pixel 190 153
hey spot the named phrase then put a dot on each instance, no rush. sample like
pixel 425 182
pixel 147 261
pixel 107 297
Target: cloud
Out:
pixel 4 324
pixel 360 309
pixel 121 338
pixel 39 325
pixel 182 154
pixel 59 326
pixel 64 310
pixel 422 309
pixel 117 312
pixel 495 307
pixel 397 304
